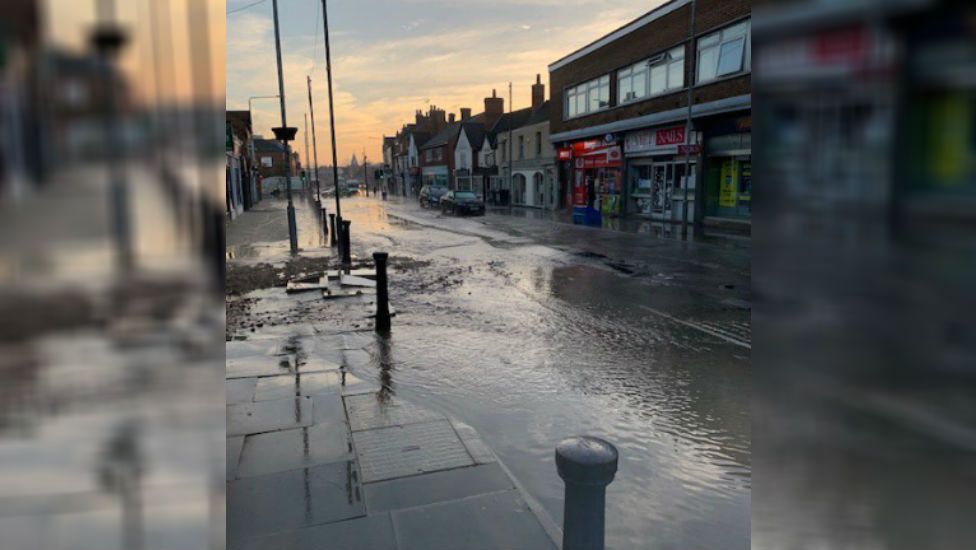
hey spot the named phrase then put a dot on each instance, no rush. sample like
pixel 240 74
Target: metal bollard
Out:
pixel 382 294
pixel 346 257
pixel 332 239
pixel 587 465
pixel 324 217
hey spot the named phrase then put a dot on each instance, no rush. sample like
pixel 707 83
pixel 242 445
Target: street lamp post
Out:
pixel 365 176
pixel 328 70
pixel 108 39
pixel 285 134
pixel 315 147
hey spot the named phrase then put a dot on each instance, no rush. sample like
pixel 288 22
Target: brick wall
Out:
pixel 659 35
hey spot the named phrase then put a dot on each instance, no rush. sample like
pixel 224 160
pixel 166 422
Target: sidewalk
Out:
pixel 316 454
pixel 322 453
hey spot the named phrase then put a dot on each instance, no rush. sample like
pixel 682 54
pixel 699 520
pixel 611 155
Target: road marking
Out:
pixel 703 328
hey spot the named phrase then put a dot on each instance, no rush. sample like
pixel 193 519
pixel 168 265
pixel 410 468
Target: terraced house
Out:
pixel 654 119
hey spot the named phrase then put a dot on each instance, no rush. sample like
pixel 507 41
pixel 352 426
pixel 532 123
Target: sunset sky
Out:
pixel 391 57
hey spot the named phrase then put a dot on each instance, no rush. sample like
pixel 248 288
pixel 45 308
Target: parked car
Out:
pixel 461 203
pixel 430 195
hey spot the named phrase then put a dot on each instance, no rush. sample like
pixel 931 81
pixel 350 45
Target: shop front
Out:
pixel 596 179
pixel 728 169
pixel 661 166
pixel 436 176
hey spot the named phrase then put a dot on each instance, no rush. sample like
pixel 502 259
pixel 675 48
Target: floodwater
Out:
pixel 532 332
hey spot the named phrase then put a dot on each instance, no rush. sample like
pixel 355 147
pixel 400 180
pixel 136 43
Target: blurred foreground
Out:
pixel 864 415
pixel 111 316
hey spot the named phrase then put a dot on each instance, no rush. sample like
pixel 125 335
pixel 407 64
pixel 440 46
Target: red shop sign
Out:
pixel 693 149
pixel 565 154
pixel 670 136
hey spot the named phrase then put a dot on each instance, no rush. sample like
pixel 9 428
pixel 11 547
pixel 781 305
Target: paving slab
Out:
pixel 486 522
pixel 298 448
pixel 234 446
pixel 413 449
pixel 260 365
pixel 354 385
pixel 280 387
pixel 271 503
pixel 240 390
pixel 247 348
pixel 356 358
pixel 267 416
pixel 327 408
pixel 425 489
pixel 370 411
pixel 374 532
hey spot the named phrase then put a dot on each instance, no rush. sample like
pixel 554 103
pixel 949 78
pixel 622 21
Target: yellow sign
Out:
pixel 728 184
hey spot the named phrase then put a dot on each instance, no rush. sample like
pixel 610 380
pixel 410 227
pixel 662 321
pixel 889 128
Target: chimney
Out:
pixel 494 107
pixel 465 113
pixel 437 119
pixel 450 118
pixel 538 92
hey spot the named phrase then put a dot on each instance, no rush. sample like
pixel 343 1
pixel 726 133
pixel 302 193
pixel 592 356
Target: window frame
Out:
pixel 668 59
pixel 715 42
pixel 583 94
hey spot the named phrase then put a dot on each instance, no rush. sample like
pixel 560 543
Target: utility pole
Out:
pixel 108 39
pixel 688 133
pixel 511 173
pixel 315 147
pixel 365 175
pixel 308 180
pixel 285 134
pixel 328 71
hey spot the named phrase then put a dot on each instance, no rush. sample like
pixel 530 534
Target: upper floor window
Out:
pixel 464 160
pixel 538 144
pixel 521 147
pixel 724 52
pixel 588 97
pixel 504 154
pixel 665 71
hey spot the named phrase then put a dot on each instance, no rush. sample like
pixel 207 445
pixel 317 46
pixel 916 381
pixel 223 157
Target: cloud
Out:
pixel 381 78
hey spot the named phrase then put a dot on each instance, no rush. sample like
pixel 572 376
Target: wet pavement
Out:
pixel 315 454
pixel 531 331
pixel 109 431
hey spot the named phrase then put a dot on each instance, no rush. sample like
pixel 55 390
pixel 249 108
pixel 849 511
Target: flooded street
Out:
pixel 532 331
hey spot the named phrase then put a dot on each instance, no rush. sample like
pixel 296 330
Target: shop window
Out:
pixel 587 97
pixel 659 74
pixel 724 52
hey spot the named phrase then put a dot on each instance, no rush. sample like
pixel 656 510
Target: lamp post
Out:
pixel 315 147
pixel 328 70
pixel 285 134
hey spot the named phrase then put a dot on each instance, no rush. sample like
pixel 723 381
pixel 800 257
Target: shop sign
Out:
pixel 565 154
pixel 589 146
pixel 729 183
pixel 651 140
pixel 693 149
pixel 610 156
pixel 670 136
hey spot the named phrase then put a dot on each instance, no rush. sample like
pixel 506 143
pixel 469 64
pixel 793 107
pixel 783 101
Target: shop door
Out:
pixel 662 187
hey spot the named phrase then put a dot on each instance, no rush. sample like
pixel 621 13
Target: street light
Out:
pixel 335 162
pixel 285 134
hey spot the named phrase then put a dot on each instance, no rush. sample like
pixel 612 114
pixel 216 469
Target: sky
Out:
pixel 392 57
pixel 67 24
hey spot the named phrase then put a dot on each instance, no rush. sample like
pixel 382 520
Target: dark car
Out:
pixel 430 195
pixel 462 203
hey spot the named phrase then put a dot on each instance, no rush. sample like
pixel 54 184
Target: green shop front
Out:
pixel 727 175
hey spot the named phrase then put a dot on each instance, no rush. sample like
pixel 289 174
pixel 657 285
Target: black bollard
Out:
pixel 587 465
pixel 346 256
pixel 382 294
pixel 324 216
pixel 332 224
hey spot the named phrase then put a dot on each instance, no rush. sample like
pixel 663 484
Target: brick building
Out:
pixel 619 117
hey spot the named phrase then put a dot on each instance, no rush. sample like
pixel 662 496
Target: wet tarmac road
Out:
pixel 532 331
